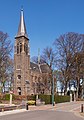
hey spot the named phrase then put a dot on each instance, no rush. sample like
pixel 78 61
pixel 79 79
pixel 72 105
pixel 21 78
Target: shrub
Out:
pixel 31 102
pixel 61 99
pixel 46 98
pixel 58 99
pixel 19 97
pixel 6 97
pixel 1 97
pixel 31 97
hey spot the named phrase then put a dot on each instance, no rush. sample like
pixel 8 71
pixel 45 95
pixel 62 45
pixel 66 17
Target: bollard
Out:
pixel 35 102
pixel 81 108
pixel 26 106
pixel 53 103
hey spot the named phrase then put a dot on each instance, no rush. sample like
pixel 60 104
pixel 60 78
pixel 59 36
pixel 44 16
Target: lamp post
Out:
pixel 83 89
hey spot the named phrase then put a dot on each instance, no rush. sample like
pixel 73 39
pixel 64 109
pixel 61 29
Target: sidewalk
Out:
pixel 12 112
pixel 30 108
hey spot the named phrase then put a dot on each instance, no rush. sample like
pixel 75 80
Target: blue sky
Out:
pixel 45 20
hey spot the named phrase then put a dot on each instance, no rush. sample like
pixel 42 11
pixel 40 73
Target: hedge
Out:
pixel 46 98
pixel 58 99
pixel 17 97
pixel 61 99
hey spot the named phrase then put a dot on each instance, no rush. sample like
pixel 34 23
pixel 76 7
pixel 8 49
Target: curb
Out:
pixel 12 112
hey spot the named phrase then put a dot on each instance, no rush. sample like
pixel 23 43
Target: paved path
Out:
pixel 66 107
pixel 69 107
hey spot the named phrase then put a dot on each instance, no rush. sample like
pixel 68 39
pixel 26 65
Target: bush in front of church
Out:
pixel 57 98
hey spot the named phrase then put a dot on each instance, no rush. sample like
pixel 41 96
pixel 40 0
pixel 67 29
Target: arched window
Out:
pixel 20 47
pixel 26 48
pixel 19 90
pixel 19 77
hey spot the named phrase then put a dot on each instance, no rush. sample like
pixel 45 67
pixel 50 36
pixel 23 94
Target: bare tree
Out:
pixel 5 50
pixel 50 58
pixel 10 72
pixel 78 70
pixel 35 60
pixel 67 46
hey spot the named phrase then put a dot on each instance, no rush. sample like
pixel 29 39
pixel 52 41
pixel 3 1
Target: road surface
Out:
pixel 42 115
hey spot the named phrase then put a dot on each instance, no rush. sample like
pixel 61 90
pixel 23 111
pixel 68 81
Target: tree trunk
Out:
pixel 77 93
pixel 65 91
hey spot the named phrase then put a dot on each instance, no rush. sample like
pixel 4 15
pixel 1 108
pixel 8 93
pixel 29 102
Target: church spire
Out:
pixel 22 28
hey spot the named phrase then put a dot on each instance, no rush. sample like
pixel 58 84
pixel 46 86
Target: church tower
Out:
pixel 21 59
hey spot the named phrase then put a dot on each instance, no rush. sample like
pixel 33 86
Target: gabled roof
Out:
pixel 45 68
pixel 22 28
pixel 34 67
pixel 41 68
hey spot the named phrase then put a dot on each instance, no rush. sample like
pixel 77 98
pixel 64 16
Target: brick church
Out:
pixel 29 77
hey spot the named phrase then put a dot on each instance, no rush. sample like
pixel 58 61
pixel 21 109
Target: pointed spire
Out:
pixel 22 27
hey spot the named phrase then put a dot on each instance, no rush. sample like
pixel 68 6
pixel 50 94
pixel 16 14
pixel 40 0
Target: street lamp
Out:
pixel 83 89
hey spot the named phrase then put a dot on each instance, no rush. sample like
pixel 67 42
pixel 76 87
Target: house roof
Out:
pixel 34 67
pixel 43 68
